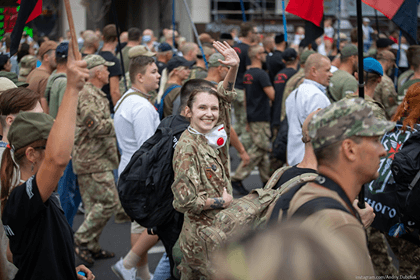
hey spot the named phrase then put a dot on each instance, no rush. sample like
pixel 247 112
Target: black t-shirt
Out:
pixel 291 173
pixel 113 71
pixel 160 65
pixel 280 81
pixel 257 102
pixel 274 64
pixel 41 239
pixel 242 50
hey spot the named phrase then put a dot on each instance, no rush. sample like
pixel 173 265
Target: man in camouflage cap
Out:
pixel 27 64
pixel 346 141
pixel 94 159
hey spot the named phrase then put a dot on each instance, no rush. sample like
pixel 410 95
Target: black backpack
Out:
pixel 406 171
pixel 144 187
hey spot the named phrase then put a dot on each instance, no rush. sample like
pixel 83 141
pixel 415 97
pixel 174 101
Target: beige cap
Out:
pixel 6 84
pixel 138 51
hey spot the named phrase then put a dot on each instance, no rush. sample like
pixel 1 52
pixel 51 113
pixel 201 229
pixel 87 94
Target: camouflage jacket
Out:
pixel 377 108
pixel 201 172
pixel 197 73
pixel 293 83
pixel 95 144
pixel 386 95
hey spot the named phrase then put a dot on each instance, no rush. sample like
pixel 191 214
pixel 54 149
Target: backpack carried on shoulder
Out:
pixel 406 171
pixel 144 187
pixel 250 211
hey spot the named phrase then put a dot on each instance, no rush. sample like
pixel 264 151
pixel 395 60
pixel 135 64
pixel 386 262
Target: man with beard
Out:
pixel 343 82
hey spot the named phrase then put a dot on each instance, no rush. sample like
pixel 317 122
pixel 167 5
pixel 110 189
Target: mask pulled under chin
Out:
pixel 216 138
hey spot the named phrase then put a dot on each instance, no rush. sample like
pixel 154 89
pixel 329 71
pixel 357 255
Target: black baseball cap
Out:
pixel 289 54
pixel 177 61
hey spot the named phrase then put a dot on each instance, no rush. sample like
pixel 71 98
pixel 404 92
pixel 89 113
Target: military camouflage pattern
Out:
pixel 377 108
pixel 201 172
pixel 293 83
pixel 343 119
pixel 401 81
pixel 197 73
pixel 94 60
pixel 378 251
pixel 386 95
pixel 100 199
pixel 240 117
pixel 258 153
pixel 95 144
pixel 121 85
pixel 408 255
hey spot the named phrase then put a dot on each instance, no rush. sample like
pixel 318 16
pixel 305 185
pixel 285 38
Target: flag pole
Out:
pixel 243 11
pixel 284 21
pixel 196 33
pixel 361 203
pixel 73 35
pixel 397 62
pixel 114 12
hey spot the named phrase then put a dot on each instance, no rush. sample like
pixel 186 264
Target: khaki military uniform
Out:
pixel 404 77
pixel 377 108
pixel 341 84
pixel 386 95
pixel 408 255
pixel 293 83
pixel 201 172
pixel 94 159
pixel 378 250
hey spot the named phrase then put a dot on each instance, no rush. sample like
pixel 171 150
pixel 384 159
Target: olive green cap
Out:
pixel 304 56
pixel 94 60
pixel 344 119
pixel 29 127
pixel 349 50
pixel 214 60
pixel 14 78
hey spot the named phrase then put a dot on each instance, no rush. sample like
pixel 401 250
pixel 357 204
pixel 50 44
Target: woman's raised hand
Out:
pixel 231 57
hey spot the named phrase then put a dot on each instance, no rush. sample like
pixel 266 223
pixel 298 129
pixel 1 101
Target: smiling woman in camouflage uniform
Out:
pixel 201 165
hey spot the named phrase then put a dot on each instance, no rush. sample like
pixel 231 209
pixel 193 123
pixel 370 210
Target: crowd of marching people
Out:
pixel 72 125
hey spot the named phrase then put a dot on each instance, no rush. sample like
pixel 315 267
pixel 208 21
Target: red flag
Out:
pixel 312 10
pixel 388 7
pixel 36 12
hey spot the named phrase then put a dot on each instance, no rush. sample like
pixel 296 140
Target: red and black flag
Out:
pixel 29 10
pixel 402 12
pixel 312 11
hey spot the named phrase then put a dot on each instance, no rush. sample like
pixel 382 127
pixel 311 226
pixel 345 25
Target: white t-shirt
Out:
pixel 308 97
pixel 135 121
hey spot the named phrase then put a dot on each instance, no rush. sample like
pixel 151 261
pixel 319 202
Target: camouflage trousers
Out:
pixel 274 162
pixel 240 116
pixel 100 199
pixel 258 153
pixel 408 255
pixel 382 262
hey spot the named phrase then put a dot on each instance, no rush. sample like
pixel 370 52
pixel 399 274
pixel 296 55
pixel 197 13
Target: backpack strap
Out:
pixel 276 176
pixel 125 96
pixel 415 180
pixel 330 95
pixel 160 105
pixel 320 203
pixel 60 75
pixel 168 90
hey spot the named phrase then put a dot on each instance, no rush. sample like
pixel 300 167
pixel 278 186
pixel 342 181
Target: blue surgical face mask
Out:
pixel 146 38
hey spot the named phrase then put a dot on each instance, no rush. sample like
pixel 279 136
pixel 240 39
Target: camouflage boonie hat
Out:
pixel 94 60
pixel 343 119
pixel 138 51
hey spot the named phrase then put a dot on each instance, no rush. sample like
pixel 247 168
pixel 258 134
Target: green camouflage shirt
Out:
pixel 293 83
pixel 377 108
pixel 95 144
pixel 386 95
pixel 197 73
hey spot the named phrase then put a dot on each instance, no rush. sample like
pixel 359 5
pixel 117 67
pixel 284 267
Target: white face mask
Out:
pixel 216 138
